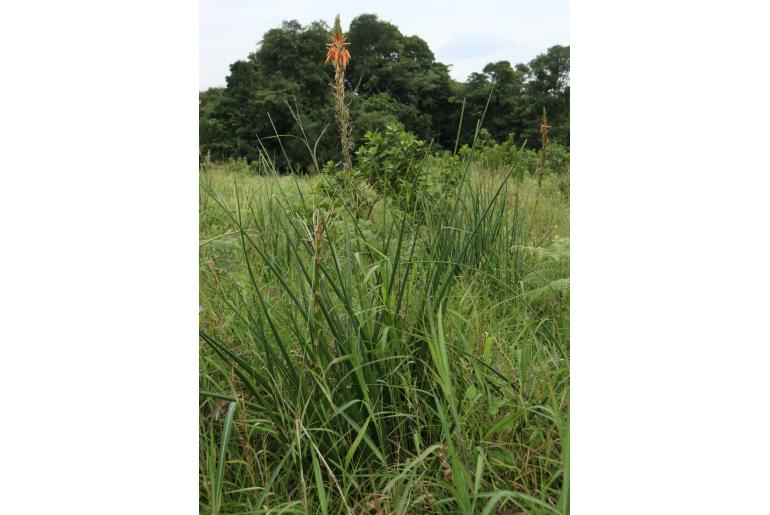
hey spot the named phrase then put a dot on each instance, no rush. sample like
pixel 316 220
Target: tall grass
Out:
pixel 409 362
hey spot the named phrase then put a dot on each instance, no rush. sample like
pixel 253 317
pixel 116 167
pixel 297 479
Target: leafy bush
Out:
pixel 390 161
pixel 491 154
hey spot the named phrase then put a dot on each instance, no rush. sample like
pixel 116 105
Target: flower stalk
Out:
pixel 544 128
pixel 339 56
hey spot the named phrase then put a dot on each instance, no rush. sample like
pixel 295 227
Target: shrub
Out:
pixel 390 161
pixel 491 154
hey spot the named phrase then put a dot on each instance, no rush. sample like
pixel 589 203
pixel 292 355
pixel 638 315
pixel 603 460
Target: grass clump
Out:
pixel 384 364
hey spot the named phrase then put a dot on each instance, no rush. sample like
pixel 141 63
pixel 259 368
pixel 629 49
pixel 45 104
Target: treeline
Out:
pixel 283 88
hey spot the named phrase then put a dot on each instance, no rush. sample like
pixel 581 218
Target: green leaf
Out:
pixel 471 392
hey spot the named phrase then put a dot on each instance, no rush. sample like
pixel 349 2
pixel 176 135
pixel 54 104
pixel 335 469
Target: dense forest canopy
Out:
pixel 391 78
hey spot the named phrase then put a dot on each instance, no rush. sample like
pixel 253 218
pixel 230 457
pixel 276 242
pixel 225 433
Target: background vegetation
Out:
pixel 391 78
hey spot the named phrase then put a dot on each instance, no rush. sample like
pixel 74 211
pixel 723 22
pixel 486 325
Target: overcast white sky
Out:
pixel 466 35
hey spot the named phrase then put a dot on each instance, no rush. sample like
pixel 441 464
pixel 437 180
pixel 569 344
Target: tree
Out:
pixel 211 126
pixel 503 114
pixel 286 72
pixel 547 87
pixel 391 78
pixel 386 61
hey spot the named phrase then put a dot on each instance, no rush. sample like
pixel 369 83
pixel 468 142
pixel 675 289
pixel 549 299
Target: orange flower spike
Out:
pixel 343 57
pixel 338 40
pixel 332 55
pixel 338 55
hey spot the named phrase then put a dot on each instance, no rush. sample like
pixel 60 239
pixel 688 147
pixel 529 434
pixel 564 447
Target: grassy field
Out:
pixel 391 362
